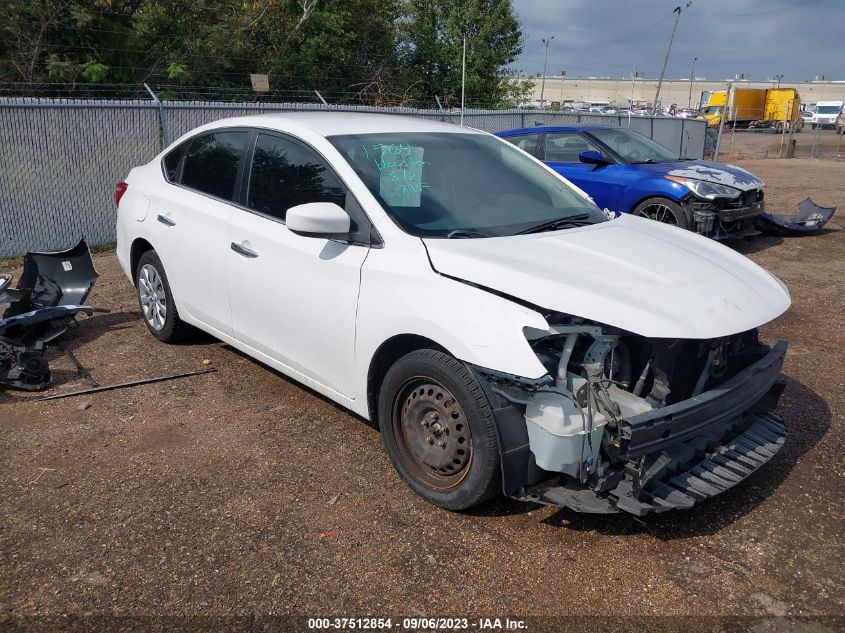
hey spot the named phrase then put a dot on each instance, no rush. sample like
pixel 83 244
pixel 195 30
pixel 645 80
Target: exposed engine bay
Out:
pixel 724 219
pixel 625 422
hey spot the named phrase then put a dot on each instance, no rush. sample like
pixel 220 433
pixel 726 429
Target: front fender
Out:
pixel 651 187
pixel 401 294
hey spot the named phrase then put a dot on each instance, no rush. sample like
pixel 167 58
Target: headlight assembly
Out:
pixel 707 190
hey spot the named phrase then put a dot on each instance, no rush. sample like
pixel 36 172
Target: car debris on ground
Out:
pixel 810 219
pixel 52 290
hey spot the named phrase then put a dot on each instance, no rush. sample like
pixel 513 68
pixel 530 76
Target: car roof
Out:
pixel 340 123
pixel 557 128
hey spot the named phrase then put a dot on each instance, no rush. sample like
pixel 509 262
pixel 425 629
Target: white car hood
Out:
pixel 639 275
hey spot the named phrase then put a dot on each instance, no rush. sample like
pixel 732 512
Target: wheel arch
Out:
pixel 138 248
pixel 383 359
pixel 667 193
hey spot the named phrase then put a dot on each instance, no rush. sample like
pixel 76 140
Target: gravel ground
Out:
pixel 240 492
pixel 764 144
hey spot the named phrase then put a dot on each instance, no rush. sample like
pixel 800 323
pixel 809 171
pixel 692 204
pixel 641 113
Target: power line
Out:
pixel 793 5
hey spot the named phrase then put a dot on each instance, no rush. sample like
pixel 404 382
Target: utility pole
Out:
pixel 778 78
pixel 463 78
pixel 677 12
pixel 691 80
pixel 545 41
pixel 725 106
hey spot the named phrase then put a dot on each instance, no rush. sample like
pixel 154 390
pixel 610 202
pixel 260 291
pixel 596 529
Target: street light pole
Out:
pixel 691 80
pixel 677 12
pixel 545 41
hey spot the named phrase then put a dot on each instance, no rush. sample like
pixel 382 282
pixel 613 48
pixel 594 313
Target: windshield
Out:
pixel 461 185
pixel 827 109
pixel 633 147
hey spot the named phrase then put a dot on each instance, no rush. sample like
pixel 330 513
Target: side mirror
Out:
pixel 592 157
pixel 318 219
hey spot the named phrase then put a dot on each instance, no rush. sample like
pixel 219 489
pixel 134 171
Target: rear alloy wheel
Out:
pixel 662 210
pixel 438 430
pixel 156 301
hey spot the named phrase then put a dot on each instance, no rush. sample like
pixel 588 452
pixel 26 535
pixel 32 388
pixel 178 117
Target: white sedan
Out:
pixel 504 333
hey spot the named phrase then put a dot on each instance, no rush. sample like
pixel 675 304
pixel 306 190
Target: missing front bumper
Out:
pixel 678 455
pixel 728 220
pixel 689 473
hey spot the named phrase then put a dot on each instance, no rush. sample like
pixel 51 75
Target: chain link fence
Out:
pixel 61 158
pixel 739 144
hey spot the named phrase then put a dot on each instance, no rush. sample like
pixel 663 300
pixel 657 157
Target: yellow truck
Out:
pixel 756 107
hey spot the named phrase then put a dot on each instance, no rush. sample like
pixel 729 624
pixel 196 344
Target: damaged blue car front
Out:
pixel 626 172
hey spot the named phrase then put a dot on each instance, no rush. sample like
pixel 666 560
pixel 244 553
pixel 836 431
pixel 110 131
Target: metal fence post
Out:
pixel 161 120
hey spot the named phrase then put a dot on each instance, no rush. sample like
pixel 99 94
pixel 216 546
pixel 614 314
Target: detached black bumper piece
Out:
pixel 687 452
pixel 49 295
pixel 810 219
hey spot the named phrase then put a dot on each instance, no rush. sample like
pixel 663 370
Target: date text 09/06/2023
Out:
pixel 416 624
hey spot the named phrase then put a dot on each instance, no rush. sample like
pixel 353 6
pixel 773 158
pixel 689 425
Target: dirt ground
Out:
pixel 809 143
pixel 241 492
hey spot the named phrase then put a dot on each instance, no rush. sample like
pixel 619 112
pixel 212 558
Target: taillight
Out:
pixel 119 189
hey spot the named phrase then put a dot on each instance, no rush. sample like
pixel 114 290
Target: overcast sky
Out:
pixel 762 38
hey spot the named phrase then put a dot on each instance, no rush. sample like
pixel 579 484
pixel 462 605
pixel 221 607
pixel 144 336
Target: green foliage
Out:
pixel 93 71
pixel 383 52
pixel 432 45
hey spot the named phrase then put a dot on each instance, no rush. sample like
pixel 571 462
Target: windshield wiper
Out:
pixel 463 233
pixel 582 219
pixel 643 162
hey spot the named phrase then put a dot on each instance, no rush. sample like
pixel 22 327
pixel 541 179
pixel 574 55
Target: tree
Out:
pixel 383 52
pixel 432 34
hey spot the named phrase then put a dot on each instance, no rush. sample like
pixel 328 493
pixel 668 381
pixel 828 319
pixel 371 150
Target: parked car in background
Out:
pixel 687 113
pixel 500 329
pixel 626 172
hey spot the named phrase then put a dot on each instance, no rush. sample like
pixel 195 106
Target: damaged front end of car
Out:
pixel 622 422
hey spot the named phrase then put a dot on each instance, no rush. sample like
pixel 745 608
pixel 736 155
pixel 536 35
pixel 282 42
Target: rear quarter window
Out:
pixel 172 161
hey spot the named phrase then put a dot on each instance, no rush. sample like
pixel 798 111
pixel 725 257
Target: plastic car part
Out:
pixel 52 279
pixel 810 218
pixel 40 310
pixel 23 342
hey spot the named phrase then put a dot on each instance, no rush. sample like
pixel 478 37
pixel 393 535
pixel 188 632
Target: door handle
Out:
pixel 243 250
pixel 165 220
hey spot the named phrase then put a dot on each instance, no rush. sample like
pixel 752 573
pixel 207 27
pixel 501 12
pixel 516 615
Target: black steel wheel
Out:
pixel 438 430
pixel 663 210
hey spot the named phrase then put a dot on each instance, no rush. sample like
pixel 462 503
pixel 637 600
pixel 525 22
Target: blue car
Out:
pixel 626 172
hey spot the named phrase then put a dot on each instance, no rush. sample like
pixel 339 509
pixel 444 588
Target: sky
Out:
pixel 761 38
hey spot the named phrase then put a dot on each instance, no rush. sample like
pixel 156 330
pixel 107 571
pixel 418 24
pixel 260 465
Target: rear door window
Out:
pixel 528 142
pixel 212 163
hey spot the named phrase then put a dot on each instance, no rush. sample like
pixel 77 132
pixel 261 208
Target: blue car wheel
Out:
pixel 663 210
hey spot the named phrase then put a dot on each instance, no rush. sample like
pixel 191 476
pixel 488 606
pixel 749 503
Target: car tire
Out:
pixel 439 431
pixel 663 210
pixel 156 301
